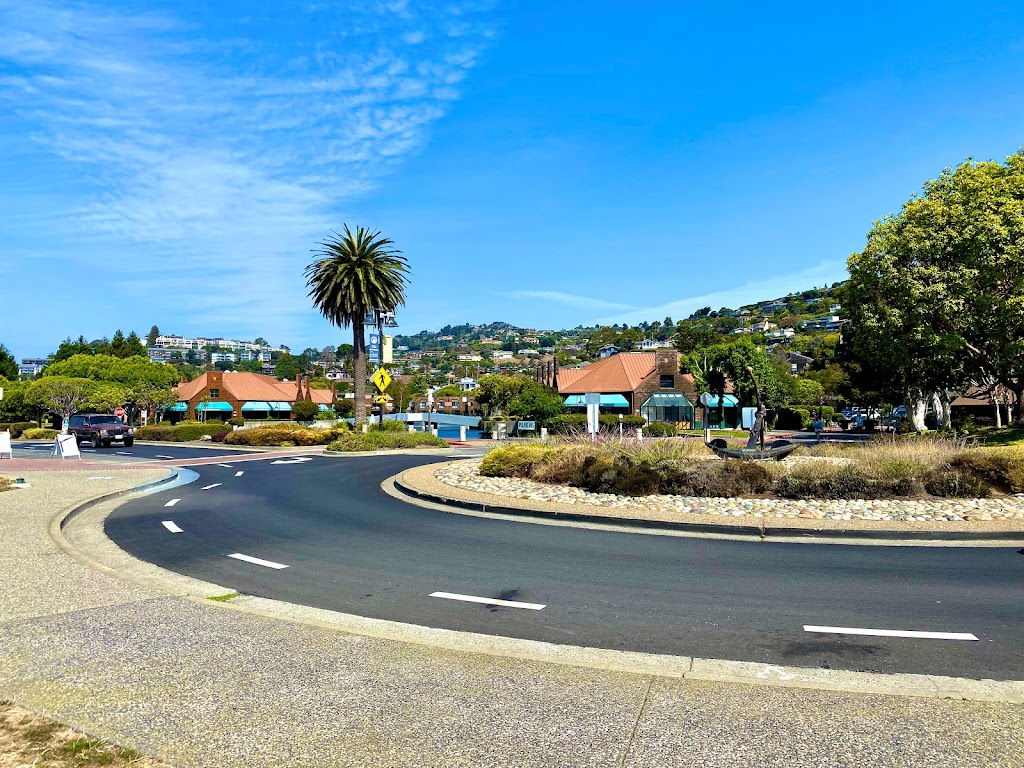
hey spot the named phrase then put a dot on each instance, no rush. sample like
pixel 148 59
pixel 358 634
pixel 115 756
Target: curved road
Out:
pixel 350 547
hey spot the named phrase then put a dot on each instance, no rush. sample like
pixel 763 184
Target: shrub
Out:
pixel 1003 469
pixel 304 410
pixel 566 423
pixel 955 483
pixel 514 460
pixel 611 421
pixel 219 437
pixel 793 418
pixel 19 427
pixel 236 421
pixel 182 433
pixel 40 433
pixel 392 425
pixel 660 429
pixel 345 408
pixel 375 441
pixel 827 482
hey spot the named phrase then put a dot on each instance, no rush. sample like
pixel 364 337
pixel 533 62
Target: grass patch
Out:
pixel 30 739
pixel 1007 436
pixel 886 467
pixel 225 598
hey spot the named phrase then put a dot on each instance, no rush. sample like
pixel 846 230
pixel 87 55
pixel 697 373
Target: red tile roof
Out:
pixel 623 372
pixel 246 387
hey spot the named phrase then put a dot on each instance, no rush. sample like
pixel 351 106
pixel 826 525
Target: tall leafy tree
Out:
pixel 354 274
pixel 286 367
pixel 8 365
pixel 152 336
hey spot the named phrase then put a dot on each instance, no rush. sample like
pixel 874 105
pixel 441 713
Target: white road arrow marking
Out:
pixel 257 561
pixel 296 460
pixel 489 601
pixel 170 526
pixel 892 633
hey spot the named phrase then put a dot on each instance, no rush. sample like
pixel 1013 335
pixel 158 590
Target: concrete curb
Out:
pixel 739 530
pixel 658 665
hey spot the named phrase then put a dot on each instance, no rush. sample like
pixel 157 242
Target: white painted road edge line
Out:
pixel 257 561
pixel 892 633
pixel 171 526
pixel 172 502
pixel 489 601
pixel 239 474
pixel 208 487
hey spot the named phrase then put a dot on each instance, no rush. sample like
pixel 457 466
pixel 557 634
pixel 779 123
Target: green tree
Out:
pixel 65 396
pixel 152 336
pixel 305 410
pixel 732 359
pixel 133 346
pixel 354 275
pixel 8 365
pixel 537 402
pixel 496 392
pixel 692 336
pixel 806 392
pixel 936 299
pixel 70 348
pixel 286 367
pixel 13 406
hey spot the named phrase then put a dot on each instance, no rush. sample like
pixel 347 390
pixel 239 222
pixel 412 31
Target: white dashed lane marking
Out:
pixel 891 633
pixel 172 502
pixel 171 526
pixel 257 561
pixel 208 487
pixel 239 474
pixel 164 457
pixel 489 601
pixel 226 465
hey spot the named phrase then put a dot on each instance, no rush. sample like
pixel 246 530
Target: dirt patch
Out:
pixel 28 739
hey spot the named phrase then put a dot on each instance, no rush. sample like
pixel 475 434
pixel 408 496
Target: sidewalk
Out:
pixel 198 683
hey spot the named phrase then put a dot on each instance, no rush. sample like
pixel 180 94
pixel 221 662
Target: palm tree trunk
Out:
pixel 359 370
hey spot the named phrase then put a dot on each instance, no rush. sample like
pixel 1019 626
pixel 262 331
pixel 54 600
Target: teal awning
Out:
pixel 323 408
pixel 180 407
pixel 607 401
pixel 279 406
pixel 255 405
pixel 668 400
pixel 730 402
pixel 226 407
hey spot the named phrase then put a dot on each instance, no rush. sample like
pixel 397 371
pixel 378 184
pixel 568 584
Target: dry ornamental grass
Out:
pixel 28 739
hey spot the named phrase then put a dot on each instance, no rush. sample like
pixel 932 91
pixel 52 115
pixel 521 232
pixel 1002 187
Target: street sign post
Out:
pixel 381 379
pixel 374 351
pixel 119 412
pixel 381 399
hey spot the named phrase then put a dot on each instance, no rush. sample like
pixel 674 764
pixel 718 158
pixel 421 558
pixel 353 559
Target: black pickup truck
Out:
pixel 100 429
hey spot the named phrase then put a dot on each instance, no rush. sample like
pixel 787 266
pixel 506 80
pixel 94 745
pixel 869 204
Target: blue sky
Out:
pixel 538 163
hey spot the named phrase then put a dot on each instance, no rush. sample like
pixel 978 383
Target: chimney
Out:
pixel 666 361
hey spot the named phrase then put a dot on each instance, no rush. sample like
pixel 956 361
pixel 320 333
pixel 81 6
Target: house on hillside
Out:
pixel 223 394
pixel 607 351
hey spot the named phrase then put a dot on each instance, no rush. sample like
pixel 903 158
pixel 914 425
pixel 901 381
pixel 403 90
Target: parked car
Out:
pixel 100 429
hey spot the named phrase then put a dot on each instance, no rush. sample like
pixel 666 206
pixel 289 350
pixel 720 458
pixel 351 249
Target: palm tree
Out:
pixel 355 275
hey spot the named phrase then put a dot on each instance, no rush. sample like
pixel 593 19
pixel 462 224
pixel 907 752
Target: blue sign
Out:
pixel 374 348
pixel 526 426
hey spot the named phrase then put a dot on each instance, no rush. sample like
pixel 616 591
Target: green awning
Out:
pixel 667 400
pixel 279 406
pixel 607 401
pixel 730 402
pixel 217 406
pixel 255 405
pixel 180 407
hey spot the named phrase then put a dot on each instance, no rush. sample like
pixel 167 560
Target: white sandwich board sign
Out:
pixel 5 445
pixel 66 446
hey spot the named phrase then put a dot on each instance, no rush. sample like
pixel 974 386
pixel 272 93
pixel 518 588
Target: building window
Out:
pixel 214 394
pixel 668 381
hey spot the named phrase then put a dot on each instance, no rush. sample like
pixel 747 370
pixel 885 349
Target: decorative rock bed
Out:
pixel 466 475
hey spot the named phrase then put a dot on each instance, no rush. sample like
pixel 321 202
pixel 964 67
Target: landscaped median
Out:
pixel 911 484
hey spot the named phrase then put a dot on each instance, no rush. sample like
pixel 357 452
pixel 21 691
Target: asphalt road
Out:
pixel 350 547
pixel 119 453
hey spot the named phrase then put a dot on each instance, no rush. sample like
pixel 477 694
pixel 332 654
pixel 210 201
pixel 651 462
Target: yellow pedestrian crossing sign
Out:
pixel 381 399
pixel 381 379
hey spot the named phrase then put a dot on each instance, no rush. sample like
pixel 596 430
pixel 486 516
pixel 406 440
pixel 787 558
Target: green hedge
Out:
pixel 285 435
pixel 182 433
pixel 793 418
pixel 17 428
pixel 40 433
pixel 660 429
pixel 568 423
pixel 376 441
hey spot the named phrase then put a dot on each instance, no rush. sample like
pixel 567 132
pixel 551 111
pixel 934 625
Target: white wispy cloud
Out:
pixel 732 297
pixel 218 158
pixel 571 300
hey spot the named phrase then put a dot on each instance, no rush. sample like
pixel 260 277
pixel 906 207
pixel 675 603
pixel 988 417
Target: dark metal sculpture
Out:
pixel 756 448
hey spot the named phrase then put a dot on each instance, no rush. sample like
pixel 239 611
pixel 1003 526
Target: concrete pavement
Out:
pixel 199 683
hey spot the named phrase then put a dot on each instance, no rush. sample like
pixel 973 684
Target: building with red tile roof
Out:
pixel 223 394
